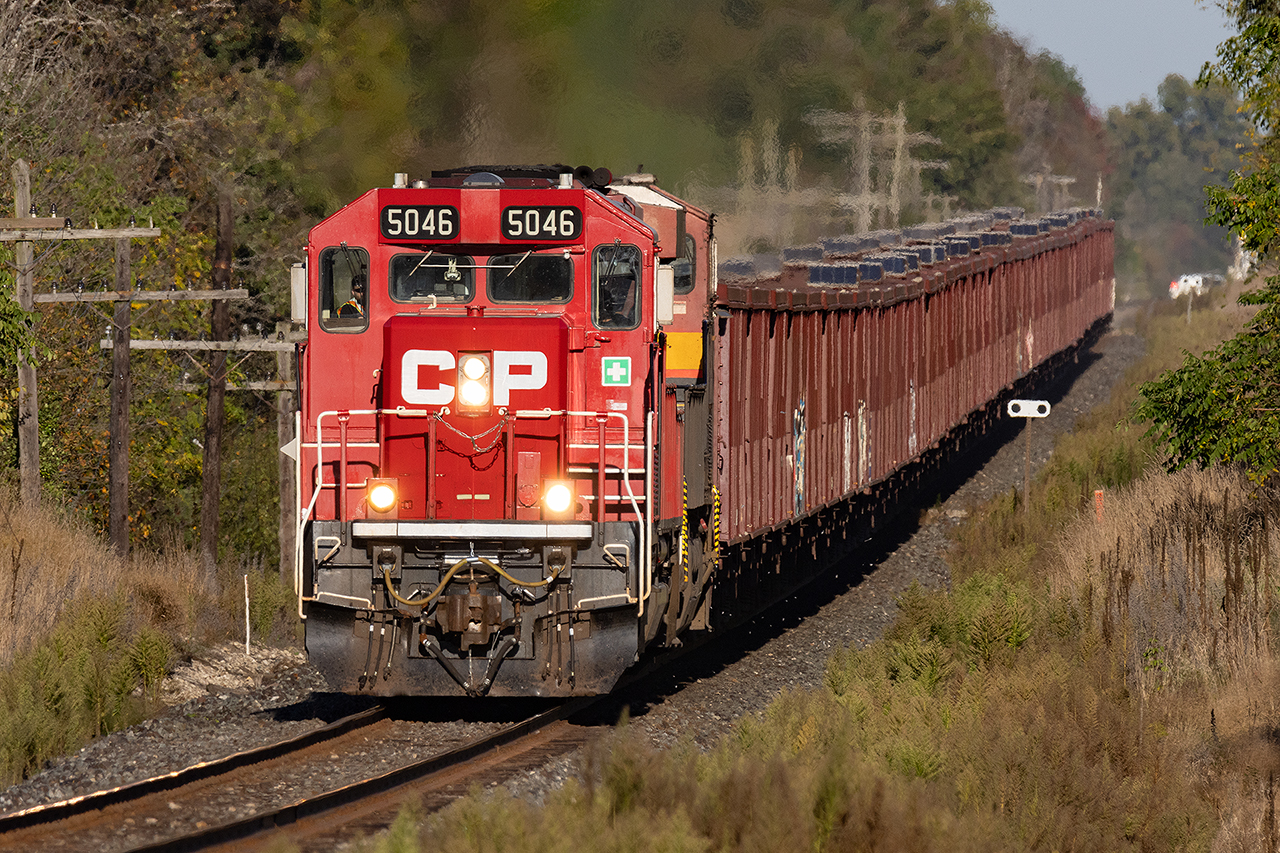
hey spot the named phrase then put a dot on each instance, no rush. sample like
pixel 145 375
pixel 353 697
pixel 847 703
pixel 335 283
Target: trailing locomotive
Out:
pixel 538 436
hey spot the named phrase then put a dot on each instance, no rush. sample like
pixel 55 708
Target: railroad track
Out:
pixel 175 811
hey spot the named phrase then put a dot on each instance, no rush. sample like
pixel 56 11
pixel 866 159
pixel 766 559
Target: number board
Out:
pixel 420 222
pixel 543 222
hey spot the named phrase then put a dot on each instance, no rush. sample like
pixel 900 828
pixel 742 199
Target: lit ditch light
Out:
pixel 382 497
pixel 558 498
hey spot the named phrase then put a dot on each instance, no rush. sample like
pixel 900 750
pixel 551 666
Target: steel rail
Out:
pixel 239 832
pixel 75 806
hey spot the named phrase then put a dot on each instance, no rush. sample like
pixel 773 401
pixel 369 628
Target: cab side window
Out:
pixel 616 273
pixel 686 266
pixel 344 289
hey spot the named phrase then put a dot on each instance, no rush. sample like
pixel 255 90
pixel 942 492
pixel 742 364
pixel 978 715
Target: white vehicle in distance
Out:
pixel 1192 283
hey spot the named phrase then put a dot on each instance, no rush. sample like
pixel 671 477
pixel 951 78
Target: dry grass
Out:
pixel 1179 575
pixel 50 562
pixel 1179 579
pixel 86 637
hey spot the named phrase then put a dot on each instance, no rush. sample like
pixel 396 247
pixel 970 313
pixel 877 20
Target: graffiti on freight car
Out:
pixel 797 439
pixel 864 452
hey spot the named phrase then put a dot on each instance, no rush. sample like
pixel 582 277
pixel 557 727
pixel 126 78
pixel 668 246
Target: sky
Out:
pixel 1121 49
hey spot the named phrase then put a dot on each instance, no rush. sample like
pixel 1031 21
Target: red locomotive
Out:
pixel 525 396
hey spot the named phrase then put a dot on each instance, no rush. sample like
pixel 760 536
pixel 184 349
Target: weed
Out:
pixel 151 655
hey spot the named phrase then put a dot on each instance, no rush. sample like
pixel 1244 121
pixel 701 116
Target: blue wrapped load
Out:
pixel 737 267
pixel 811 252
pixel 850 244
pixel 886 237
pixel 833 274
pixel 934 252
pixel 930 231
pixel 891 264
pixel 1008 213
pixel 913 255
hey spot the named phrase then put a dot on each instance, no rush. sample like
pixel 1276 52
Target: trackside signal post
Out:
pixel 1027 409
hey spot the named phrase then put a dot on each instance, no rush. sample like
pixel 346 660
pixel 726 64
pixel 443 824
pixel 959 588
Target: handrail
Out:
pixel 644 581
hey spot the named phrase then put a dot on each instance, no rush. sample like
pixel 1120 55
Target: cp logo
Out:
pixel 513 370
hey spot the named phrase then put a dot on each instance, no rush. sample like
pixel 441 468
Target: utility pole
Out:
pixel 878 189
pixel 1051 190
pixel 25 229
pixel 28 404
pixel 211 472
pixel 118 471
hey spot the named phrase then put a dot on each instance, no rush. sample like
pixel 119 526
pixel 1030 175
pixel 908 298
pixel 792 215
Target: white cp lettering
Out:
pixel 414 394
pixel 513 370
pixel 504 381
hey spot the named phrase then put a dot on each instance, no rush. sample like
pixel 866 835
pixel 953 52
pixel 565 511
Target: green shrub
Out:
pixel 74 686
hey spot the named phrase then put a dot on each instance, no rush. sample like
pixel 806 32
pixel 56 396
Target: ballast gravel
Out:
pixel 226 702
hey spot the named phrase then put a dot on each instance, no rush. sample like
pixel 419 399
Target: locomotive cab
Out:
pixel 482 395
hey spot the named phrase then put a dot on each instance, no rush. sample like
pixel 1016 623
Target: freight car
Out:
pixel 542 431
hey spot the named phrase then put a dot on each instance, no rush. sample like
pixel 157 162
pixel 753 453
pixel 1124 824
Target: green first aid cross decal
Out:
pixel 615 371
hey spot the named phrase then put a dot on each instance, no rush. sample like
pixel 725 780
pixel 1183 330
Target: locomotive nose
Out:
pixel 459 391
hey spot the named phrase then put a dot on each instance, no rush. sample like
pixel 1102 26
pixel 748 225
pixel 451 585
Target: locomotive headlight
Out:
pixel 382 496
pixel 558 497
pixel 474 393
pixel 473 367
pixel 474 382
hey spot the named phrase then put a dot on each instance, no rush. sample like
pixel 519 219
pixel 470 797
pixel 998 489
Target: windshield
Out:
pixel 431 278
pixel 530 278
pixel 344 297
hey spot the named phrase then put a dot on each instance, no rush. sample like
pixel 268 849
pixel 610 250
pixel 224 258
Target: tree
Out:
pixel 1163 153
pixel 151 108
pixel 1225 404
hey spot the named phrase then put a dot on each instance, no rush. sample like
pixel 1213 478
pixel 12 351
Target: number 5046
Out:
pixel 541 223
pixel 420 221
